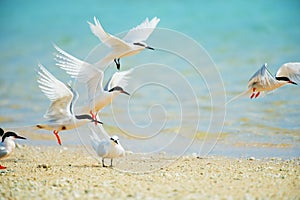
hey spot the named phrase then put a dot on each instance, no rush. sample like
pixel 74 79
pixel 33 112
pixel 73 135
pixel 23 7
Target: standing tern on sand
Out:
pixel 106 148
pixel 7 144
pixel 131 44
pixel 60 112
pixel 84 72
pixel 263 81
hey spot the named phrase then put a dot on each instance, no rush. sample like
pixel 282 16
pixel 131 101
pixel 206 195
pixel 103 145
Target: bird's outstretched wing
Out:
pixel 118 79
pixel 82 71
pixel 108 39
pixel 262 77
pixel 290 70
pixel 141 32
pixel 58 93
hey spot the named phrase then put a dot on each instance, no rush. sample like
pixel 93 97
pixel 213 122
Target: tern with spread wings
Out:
pixel 263 81
pixel 84 72
pixel 131 44
pixel 60 112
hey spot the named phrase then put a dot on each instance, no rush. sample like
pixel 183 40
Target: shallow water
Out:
pixel 171 100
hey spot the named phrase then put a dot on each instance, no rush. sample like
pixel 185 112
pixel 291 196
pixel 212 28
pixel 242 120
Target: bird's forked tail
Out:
pixel 238 96
pixel 95 139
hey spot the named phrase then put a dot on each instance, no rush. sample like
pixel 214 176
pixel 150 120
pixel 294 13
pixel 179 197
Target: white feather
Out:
pixel 262 79
pixel 141 32
pixel 58 93
pixel 123 47
pixel 108 39
pixel 93 78
pixel 290 70
pixel 82 71
pixel 106 148
pixel 118 79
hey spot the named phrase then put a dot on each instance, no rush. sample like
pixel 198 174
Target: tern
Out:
pixel 263 81
pixel 133 42
pixel 84 72
pixel 60 112
pixel 107 148
pixel 7 144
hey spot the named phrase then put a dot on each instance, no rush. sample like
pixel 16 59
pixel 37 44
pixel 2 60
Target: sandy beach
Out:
pixel 39 172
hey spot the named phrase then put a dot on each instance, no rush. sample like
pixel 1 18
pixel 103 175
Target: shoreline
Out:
pixel 39 172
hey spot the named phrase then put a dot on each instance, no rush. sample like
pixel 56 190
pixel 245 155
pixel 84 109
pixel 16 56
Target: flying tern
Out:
pixel 84 72
pixel 263 81
pixel 106 148
pixel 60 112
pixel 7 144
pixel 131 44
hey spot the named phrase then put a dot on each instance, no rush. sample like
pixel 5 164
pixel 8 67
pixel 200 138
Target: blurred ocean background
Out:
pixel 238 37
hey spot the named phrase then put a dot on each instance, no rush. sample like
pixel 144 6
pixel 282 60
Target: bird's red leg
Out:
pixel 57 136
pixel 94 117
pixel 257 94
pixel 2 167
pixel 92 114
pixel 253 93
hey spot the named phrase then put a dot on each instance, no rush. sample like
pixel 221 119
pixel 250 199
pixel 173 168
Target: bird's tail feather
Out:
pixel 95 139
pixel 238 96
pixel 31 132
pixel 105 134
pixel 28 128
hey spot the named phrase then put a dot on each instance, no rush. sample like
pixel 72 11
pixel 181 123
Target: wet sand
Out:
pixel 35 172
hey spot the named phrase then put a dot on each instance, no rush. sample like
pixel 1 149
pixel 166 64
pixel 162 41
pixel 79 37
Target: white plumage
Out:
pixel 7 144
pixel 290 70
pixel 60 112
pixel 84 72
pixel 109 147
pixel 262 81
pixel 131 44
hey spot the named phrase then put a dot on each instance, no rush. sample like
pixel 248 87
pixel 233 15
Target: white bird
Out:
pixel 84 72
pixel 131 44
pixel 107 148
pixel 263 81
pixel 60 112
pixel 7 144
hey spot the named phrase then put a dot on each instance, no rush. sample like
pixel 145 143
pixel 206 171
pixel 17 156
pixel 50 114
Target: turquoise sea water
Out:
pixel 239 36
